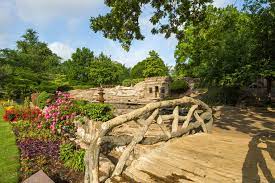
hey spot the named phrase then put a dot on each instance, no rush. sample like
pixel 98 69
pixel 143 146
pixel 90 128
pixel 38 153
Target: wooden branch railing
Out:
pixel 199 115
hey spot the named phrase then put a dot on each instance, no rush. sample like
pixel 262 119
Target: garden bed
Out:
pixel 40 150
pixel 44 132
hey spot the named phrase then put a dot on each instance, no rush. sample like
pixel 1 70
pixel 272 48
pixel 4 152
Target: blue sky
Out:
pixel 64 25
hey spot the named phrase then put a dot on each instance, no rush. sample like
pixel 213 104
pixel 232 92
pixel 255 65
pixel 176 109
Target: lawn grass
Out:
pixel 9 153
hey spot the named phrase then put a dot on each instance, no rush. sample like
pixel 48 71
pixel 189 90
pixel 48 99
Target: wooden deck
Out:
pixel 240 149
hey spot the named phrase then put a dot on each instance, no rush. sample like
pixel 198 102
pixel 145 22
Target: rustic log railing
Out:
pixel 198 116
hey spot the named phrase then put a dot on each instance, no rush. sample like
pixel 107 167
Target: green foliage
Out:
pixel 93 70
pixel 9 154
pixel 154 66
pixel 132 82
pixel 25 130
pixel 80 103
pixel 97 111
pixel 66 151
pixel 27 67
pixel 72 157
pixel 150 67
pixel 77 68
pixel 230 47
pixel 122 22
pixel 103 71
pixel 21 126
pixel 47 87
pixel 40 134
pixel 42 98
pixel 137 71
pixel 179 86
pixel 220 96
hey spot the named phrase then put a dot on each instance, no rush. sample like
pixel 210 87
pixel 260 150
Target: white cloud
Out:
pixel 44 11
pixel 6 22
pixel 4 40
pixel 6 15
pixel 145 23
pixel 62 50
pixel 140 50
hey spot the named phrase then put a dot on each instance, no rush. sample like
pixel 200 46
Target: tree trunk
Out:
pixel 268 88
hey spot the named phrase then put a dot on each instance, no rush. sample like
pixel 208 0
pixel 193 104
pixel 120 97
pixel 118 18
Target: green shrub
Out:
pixel 66 151
pixel 221 95
pixel 71 157
pixel 179 86
pixel 78 106
pixel 40 134
pixel 47 86
pixel 64 88
pixel 80 103
pixel 42 98
pixel 131 82
pixel 96 111
pixel 17 91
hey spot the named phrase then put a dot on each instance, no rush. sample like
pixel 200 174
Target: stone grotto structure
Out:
pixel 150 90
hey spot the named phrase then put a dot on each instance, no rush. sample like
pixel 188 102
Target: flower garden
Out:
pixel 44 127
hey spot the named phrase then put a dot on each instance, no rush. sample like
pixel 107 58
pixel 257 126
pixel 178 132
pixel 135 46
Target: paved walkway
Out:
pixel 240 149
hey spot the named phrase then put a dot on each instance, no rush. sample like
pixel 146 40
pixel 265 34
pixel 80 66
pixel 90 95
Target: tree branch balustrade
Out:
pixel 199 116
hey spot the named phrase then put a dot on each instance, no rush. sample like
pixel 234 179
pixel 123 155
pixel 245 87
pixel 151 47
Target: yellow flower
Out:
pixel 9 108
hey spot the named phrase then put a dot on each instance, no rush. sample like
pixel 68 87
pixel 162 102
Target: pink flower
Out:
pixel 39 126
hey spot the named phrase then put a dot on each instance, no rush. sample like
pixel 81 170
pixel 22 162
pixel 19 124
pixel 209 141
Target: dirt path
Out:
pixel 240 149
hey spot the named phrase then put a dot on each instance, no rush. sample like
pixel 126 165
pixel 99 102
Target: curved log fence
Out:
pixel 199 116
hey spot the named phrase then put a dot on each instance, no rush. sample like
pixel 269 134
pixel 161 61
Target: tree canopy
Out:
pixel 149 67
pixel 77 68
pixel 122 22
pixel 86 68
pixel 28 67
pixel 104 71
pixel 229 48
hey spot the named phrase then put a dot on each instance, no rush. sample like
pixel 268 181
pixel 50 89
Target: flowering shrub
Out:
pixel 26 130
pixel 60 114
pixel 13 114
pixel 10 115
pixel 33 115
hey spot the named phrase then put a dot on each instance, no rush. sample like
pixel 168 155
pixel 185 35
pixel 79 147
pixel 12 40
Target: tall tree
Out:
pixel 26 68
pixel 169 16
pixel 230 47
pixel 137 70
pixel 77 68
pixel 36 54
pixel 104 71
pixel 149 67
pixel 154 66
pixel 262 14
pixel 220 49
